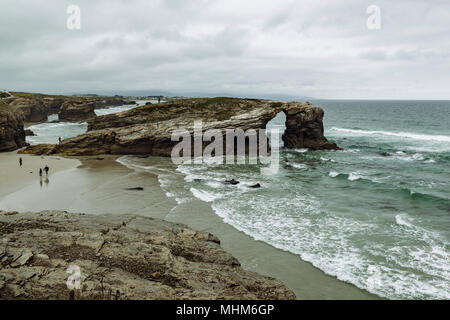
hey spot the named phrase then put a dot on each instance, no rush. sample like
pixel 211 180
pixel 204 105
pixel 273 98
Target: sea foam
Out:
pixel 406 135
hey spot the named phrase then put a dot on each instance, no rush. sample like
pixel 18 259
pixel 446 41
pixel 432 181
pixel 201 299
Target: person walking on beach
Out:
pixel 46 170
pixel 20 161
pixel 40 173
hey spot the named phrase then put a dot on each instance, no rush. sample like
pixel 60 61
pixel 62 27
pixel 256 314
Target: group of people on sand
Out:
pixel 41 172
pixel 46 169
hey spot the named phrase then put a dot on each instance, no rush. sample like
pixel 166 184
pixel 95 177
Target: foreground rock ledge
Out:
pixel 120 257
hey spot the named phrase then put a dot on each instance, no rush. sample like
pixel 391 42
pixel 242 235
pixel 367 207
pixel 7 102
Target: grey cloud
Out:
pixel 293 47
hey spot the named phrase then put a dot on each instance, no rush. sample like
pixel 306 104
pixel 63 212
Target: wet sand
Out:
pixel 307 282
pixel 95 186
pixel 91 186
pixel 13 177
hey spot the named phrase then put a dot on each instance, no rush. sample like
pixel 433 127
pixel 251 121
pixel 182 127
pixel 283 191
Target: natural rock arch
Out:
pixel 148 129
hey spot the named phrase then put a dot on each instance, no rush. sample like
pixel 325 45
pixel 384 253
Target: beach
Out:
pixel 13 177
pixel 101 185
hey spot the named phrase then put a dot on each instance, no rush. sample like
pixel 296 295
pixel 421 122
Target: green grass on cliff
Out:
pixel 5 107
pixel 221 107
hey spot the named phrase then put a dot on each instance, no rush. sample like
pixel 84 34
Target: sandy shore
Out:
pixel 89 185
pixel 86 185
pixel 13 177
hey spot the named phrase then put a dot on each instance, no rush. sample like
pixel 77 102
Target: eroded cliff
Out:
pixel 148 129
pixel 37 107
pixel 12 133
pixel 78 110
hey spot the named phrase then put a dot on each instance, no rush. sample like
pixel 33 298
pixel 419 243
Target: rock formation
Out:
pixel 53 104
pixel 120 257
pixel 34 110
pixel 29 133
pixel 12 133
pixel 76 110
pixel 37 107
pixel 111 102
pixel 304 129
pixel 18 107
pixel 148 129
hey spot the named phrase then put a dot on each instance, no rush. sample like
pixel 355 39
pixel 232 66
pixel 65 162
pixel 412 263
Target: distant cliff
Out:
pixel 17 108
pixel 148 129
pixel 37 107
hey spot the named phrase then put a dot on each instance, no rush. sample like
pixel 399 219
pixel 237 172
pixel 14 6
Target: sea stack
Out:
pixel 77 111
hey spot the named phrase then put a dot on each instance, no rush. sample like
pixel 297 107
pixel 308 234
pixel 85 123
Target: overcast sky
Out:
pixel 319 49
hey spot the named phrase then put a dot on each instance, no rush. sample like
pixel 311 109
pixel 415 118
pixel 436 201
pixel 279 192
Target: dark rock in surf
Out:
pixel 135 189
pixel 29 133
pixel 231 182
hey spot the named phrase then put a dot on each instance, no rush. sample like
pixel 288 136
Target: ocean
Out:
pixel 376 215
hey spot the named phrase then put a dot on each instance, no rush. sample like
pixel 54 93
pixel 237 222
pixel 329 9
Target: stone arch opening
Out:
pixel 277 122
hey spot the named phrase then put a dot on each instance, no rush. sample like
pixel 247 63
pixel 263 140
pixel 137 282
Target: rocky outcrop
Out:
pixel 29 133
pixel 37 107
pixel 53 104
pixel 33 109
pixel 148 129
pixel 304 129
pixel 76 110
pixel 119 257
pixel 111 102
pixel 12 133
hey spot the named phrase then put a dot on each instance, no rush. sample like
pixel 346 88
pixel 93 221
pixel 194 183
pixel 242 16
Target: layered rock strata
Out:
pixel 77 111
pixel 12 133
pixel 149 129
pixel 42 255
